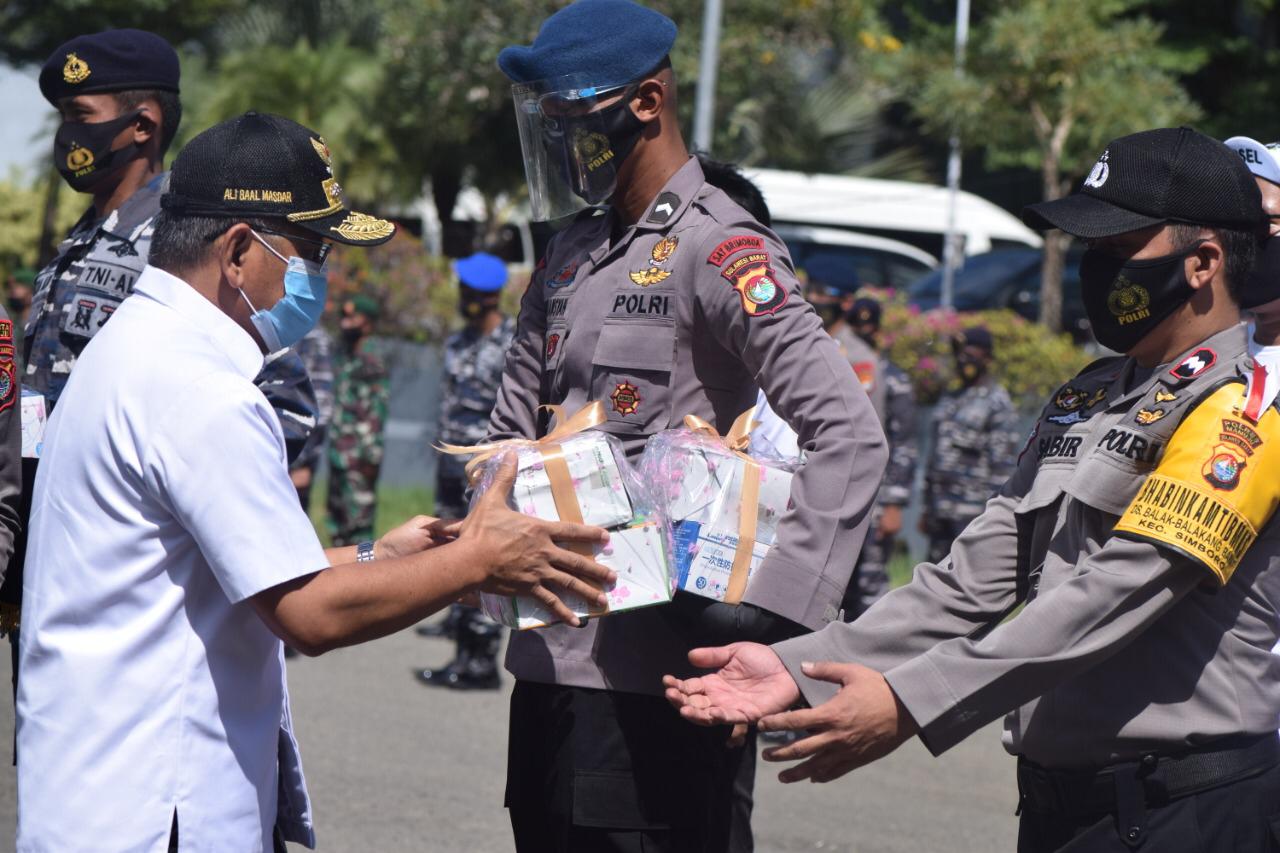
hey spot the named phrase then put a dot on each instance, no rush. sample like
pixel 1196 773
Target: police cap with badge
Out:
pixel 1172 174
pixel 260 165
pixel 585 55
pixel 109 61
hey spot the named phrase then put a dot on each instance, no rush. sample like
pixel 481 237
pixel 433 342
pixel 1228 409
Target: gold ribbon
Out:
pixel 552 453
pixel 736 441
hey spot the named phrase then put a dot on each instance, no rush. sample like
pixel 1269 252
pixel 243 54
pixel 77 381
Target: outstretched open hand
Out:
pixel 750 683
pixel 860 724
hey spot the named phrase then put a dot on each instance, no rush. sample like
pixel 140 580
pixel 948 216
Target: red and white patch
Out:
pixel 1195 364
pixel 553 343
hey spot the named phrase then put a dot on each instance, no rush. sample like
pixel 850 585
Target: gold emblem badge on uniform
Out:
pixel 75 70
pixel 625 398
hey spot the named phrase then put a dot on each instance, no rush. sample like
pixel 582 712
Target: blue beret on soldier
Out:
pixel 109 61
pixel 481 271
pixel 615 41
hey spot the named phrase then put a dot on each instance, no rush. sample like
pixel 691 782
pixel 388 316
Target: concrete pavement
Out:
pixel 393 765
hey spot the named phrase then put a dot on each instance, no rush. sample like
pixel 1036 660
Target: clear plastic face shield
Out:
pixel 575 137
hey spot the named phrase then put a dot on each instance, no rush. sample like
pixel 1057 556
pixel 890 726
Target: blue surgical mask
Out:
pixel 306 287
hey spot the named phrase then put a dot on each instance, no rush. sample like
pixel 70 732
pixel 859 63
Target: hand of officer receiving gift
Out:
pixel 860 724
pixel 751 683
pixel 526 553
pixel 863 722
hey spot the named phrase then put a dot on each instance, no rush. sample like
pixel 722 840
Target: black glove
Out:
pixel 704 622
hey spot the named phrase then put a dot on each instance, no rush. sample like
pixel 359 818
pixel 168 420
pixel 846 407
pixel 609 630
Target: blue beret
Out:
pixel 481 271
pixel 615 42
pixel 109 61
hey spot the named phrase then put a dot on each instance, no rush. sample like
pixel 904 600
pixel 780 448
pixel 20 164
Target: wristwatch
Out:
pixel 364 552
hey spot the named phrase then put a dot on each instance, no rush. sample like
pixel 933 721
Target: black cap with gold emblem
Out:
pixel 263 165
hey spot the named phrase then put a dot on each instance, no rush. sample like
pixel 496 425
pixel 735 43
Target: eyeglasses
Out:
pixel 321 251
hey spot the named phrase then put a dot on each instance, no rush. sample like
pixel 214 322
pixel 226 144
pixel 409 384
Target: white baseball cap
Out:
pixel 1262 160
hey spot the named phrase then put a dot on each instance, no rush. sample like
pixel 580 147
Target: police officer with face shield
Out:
pixel 662 298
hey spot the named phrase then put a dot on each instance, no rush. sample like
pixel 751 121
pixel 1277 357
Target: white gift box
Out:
pixel 707 518
pixel 597 482
pixel 638 557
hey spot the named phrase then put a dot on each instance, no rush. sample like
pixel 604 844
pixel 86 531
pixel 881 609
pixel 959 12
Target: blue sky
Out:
pixel 25 129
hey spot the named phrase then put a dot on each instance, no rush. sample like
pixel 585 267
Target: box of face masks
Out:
pixel 638 556
pixel 608 493
pixel 702 483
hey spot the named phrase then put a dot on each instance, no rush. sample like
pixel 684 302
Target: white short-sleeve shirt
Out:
pixel 149 685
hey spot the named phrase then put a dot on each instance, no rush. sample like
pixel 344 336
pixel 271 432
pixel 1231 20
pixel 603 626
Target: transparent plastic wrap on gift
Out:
pixel 585 477
pixel 724 505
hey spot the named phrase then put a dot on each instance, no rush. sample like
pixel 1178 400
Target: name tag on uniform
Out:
pixel 34 417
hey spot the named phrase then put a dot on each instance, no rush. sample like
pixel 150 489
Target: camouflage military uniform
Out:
pixel 894 400
pixel 360 395
pixel 472 376
pixel 974 450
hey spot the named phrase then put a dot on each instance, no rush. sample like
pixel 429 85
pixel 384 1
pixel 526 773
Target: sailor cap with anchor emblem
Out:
pixel 1170 174
pixel 263 165
pixel 109 61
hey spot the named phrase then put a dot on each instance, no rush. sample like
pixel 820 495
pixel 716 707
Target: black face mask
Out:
pixel 472 309
pixel 351 335
pixel 969 368
pixel 82 152
pixel 16 305
pixel 1126 299
pixel 597 144
pixel 1263 284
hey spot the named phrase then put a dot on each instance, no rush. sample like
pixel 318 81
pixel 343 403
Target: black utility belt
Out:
pixel 1162 778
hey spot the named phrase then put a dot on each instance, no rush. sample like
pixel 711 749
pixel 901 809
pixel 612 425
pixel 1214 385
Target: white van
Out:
pixel 847 260
pixel 899 210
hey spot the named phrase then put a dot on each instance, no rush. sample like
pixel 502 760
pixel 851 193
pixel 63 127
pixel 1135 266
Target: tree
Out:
pixel 1046 85
pixel 31 29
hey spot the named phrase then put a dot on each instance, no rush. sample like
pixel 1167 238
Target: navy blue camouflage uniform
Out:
pixel 316 354
pixel 974 450
pixel 473 366
pixel 871 575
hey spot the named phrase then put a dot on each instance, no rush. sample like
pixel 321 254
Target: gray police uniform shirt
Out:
pixel 975 445
pixel 689 312
pixel 93 272
pixel 1125 645
pixel 889 388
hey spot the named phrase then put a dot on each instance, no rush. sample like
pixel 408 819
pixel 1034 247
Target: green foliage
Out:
pixel 21 208
pixel 416 290
pixel 31 29
pixel 1043 73
pixel 1030 361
